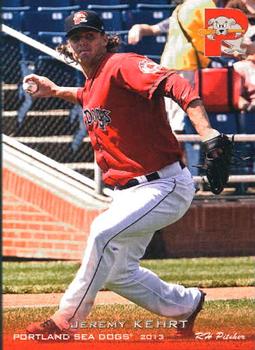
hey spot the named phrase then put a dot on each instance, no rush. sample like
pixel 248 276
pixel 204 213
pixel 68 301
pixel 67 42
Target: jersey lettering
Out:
pixel 97 115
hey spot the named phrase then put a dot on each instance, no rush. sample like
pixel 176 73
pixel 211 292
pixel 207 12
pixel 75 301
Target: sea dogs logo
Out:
pixel 97 116
pixel 80 17
pixel 224 31
pixel 148 66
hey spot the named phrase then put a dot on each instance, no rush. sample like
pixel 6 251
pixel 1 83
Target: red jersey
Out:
pixel 125 115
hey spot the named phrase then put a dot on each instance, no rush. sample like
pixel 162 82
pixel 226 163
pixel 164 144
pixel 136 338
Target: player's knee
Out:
pixel 99 236
pixel 96 229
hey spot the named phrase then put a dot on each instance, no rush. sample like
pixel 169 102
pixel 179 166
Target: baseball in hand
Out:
pixel 30 87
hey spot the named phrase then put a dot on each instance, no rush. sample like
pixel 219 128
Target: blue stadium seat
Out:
pixel 47 3
pixel 97 2
pixel 247 123
pixel 226 123
pixel 45 19
pixel 133 3
pixel 151 45
pixel 35 21
pixel 10 58
pixel 11 16
pixel 12 3
pixel 152 50
pixel 153 2
pixel 29 54
pixel 59 8
pixel 111 16
pixel 192 149
pixel 51 39
pixel 155 58
pixel 148 15
pixel 154 7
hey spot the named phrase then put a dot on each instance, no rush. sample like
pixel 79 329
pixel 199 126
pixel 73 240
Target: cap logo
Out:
pixel 80 17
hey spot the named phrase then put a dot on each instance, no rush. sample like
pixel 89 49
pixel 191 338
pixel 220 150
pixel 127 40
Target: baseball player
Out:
pixel 123 105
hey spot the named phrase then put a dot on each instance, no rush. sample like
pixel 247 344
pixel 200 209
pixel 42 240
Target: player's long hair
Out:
pixel 113 45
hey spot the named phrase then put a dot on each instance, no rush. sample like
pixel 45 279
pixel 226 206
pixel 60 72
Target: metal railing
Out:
pixel 65 121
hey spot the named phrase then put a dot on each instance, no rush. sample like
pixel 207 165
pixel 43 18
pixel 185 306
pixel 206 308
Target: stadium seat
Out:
pixel 12 16
pixel 51 39
pixel 155 7
pixel 12 3
pixel 226 123
pixel 10 58
pixel 47 3
pixel 152 2
pixel 151 45
pixel 150 15
pixel 133 3
pixel 111 16
pixel 247 123
pixel 45 19
pixel 97 2
pixel 192 149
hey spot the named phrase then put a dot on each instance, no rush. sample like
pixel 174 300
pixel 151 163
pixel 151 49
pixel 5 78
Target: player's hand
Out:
pixel 135 34
pixel 45 87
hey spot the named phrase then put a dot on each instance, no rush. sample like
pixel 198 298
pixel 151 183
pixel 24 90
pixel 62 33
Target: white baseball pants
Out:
pixel 117 242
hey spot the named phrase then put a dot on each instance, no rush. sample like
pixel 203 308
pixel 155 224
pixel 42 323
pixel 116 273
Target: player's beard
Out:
pixel 90 62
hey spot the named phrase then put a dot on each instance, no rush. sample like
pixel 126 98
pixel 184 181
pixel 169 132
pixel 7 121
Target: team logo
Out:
pixel 97 115
pixel 224 31
pixel 80 17
pixel 148 66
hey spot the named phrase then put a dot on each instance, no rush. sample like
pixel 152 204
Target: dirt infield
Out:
pixel 30 300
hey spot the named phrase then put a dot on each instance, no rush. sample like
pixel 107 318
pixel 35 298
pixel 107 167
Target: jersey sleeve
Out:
pixel 140 74
pixel 79 95
pixel 179 89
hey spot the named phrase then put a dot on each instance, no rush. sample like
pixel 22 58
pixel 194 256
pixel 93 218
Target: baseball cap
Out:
pixel 83 19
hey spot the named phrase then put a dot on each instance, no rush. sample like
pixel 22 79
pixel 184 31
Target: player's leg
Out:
pixel 146 289
pixel 134 213
pixel 121 219
pixel 129 214
pixel 142 286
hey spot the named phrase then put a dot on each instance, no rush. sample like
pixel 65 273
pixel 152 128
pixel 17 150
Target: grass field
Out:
pixel 216 314
pixel 232 317
pixel 48 277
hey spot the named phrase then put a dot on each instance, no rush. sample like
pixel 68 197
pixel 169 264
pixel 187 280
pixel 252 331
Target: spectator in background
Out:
pixel 179 54
pixel 246 68
pixel 248 8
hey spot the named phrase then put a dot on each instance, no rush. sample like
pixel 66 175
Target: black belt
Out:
pixel 149 177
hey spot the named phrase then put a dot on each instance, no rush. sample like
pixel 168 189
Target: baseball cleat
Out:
pixel 187 331
pixel 47 327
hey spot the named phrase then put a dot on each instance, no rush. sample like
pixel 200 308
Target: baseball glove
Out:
pixel 218 156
